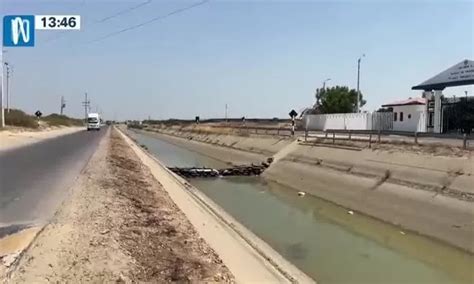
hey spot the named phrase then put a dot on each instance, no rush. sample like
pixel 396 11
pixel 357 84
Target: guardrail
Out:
pixel 283 131
pixel 379 133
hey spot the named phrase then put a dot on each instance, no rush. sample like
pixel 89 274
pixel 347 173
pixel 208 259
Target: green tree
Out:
pixel 338 99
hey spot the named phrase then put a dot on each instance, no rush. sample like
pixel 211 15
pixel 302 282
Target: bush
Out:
pixel 135 125
pixel 55 119
pixel 18 118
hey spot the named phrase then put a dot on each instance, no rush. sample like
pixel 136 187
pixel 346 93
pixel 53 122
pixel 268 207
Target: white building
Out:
pixel 409 115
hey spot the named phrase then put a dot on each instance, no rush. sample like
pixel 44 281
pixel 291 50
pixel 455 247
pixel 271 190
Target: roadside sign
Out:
pixel 197 119
pixel 293 113
pixel 38 114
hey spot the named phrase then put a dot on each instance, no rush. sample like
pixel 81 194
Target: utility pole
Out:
pixel 86 103
pixel 7 87
pixel 2 113
pixel 358 81
pixel 63 104
pixel 225 112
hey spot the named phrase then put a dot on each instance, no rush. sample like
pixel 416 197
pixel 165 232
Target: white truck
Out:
pixel 93 121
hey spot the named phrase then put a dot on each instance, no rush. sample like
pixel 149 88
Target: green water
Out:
pixel 319 237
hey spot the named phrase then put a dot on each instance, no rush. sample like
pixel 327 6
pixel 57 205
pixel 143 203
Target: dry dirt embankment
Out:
pixel 118 225
pixel 425 191
pixel 16 137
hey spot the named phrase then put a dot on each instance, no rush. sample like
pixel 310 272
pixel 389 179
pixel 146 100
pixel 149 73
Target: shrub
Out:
pixel 55 119
pixel 16 117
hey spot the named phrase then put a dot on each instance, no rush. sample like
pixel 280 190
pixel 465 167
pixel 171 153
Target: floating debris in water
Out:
pixel 402 232
pixel 350 212
pixel 242 170
pixel 301 193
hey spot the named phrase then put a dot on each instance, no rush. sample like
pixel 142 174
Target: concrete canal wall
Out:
pixel 428 194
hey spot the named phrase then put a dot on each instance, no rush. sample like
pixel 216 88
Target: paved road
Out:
pixel 34 179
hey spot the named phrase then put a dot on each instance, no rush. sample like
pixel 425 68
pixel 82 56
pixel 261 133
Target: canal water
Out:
pixel 321 238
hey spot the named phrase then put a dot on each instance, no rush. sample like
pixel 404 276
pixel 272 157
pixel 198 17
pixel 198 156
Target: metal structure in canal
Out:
pixel 241 170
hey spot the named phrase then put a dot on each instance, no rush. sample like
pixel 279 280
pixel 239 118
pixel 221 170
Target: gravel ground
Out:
pixel 119 225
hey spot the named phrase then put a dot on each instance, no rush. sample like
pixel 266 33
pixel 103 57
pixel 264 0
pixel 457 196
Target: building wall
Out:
pixel 417 122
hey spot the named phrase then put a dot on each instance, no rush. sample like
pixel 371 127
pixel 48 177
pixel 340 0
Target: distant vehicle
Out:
pixel 93 121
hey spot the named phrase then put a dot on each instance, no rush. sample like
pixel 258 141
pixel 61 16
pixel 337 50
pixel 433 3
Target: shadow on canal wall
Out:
pixel 431 195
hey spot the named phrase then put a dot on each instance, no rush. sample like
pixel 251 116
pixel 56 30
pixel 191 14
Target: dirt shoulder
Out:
pixel 118 225
pixel 17 137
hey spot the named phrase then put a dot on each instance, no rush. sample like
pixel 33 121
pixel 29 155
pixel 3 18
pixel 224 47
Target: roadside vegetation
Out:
pixel 19 118
pixel 16 117
pixel 55 119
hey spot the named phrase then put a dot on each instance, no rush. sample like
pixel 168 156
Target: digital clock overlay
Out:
pixel 19 30
pixel 58 22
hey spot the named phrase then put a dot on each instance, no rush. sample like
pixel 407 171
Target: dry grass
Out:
pixel 16 117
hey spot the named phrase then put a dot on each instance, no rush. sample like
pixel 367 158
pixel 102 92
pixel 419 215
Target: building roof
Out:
pixel 458 75
pixel 410 101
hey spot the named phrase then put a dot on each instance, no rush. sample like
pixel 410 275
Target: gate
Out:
pixel 458 116
pixel 382 121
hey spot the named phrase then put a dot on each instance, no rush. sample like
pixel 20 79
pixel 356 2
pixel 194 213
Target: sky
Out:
pixel 261 58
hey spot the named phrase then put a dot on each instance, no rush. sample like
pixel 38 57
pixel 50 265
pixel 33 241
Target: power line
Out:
pixel 124 11
pixel 105 19
pixel 150 21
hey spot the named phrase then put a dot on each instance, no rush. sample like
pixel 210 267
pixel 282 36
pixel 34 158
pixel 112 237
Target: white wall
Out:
pixel 347 121
pixel 363 121
pixel 417 122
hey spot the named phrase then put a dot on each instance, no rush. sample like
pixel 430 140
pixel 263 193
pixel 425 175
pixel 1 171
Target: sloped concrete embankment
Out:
pixel 250 259
pixel 428 194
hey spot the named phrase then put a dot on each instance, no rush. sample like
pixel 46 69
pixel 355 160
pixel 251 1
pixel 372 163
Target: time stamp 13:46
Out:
pixel 57 22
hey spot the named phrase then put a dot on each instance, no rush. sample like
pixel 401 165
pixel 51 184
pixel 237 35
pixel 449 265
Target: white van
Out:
pixel 93 121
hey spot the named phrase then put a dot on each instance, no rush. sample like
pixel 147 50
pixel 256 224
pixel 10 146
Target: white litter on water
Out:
pixel 350 212
pixel 301 193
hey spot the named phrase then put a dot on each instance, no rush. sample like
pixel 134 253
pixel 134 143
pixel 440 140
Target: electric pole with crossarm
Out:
pixel 86 103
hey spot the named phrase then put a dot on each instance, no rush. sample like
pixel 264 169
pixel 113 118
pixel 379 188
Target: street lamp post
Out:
pixel 358 82
pixel 324 82
pixel 317 94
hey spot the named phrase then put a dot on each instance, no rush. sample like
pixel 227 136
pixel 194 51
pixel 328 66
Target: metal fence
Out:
pixel 375 136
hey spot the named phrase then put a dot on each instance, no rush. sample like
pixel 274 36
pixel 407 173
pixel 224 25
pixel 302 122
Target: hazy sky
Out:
pixel 262 58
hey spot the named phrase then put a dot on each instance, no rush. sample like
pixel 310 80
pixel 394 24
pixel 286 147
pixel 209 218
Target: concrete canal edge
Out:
pixel 333 175
pixel 248 257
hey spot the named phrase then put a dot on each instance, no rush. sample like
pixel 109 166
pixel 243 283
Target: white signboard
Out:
pixel 461 72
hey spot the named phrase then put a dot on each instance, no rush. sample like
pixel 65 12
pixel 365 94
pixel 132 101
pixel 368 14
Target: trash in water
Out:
pixel 402 232
pixel 350 212
pixel 301 193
